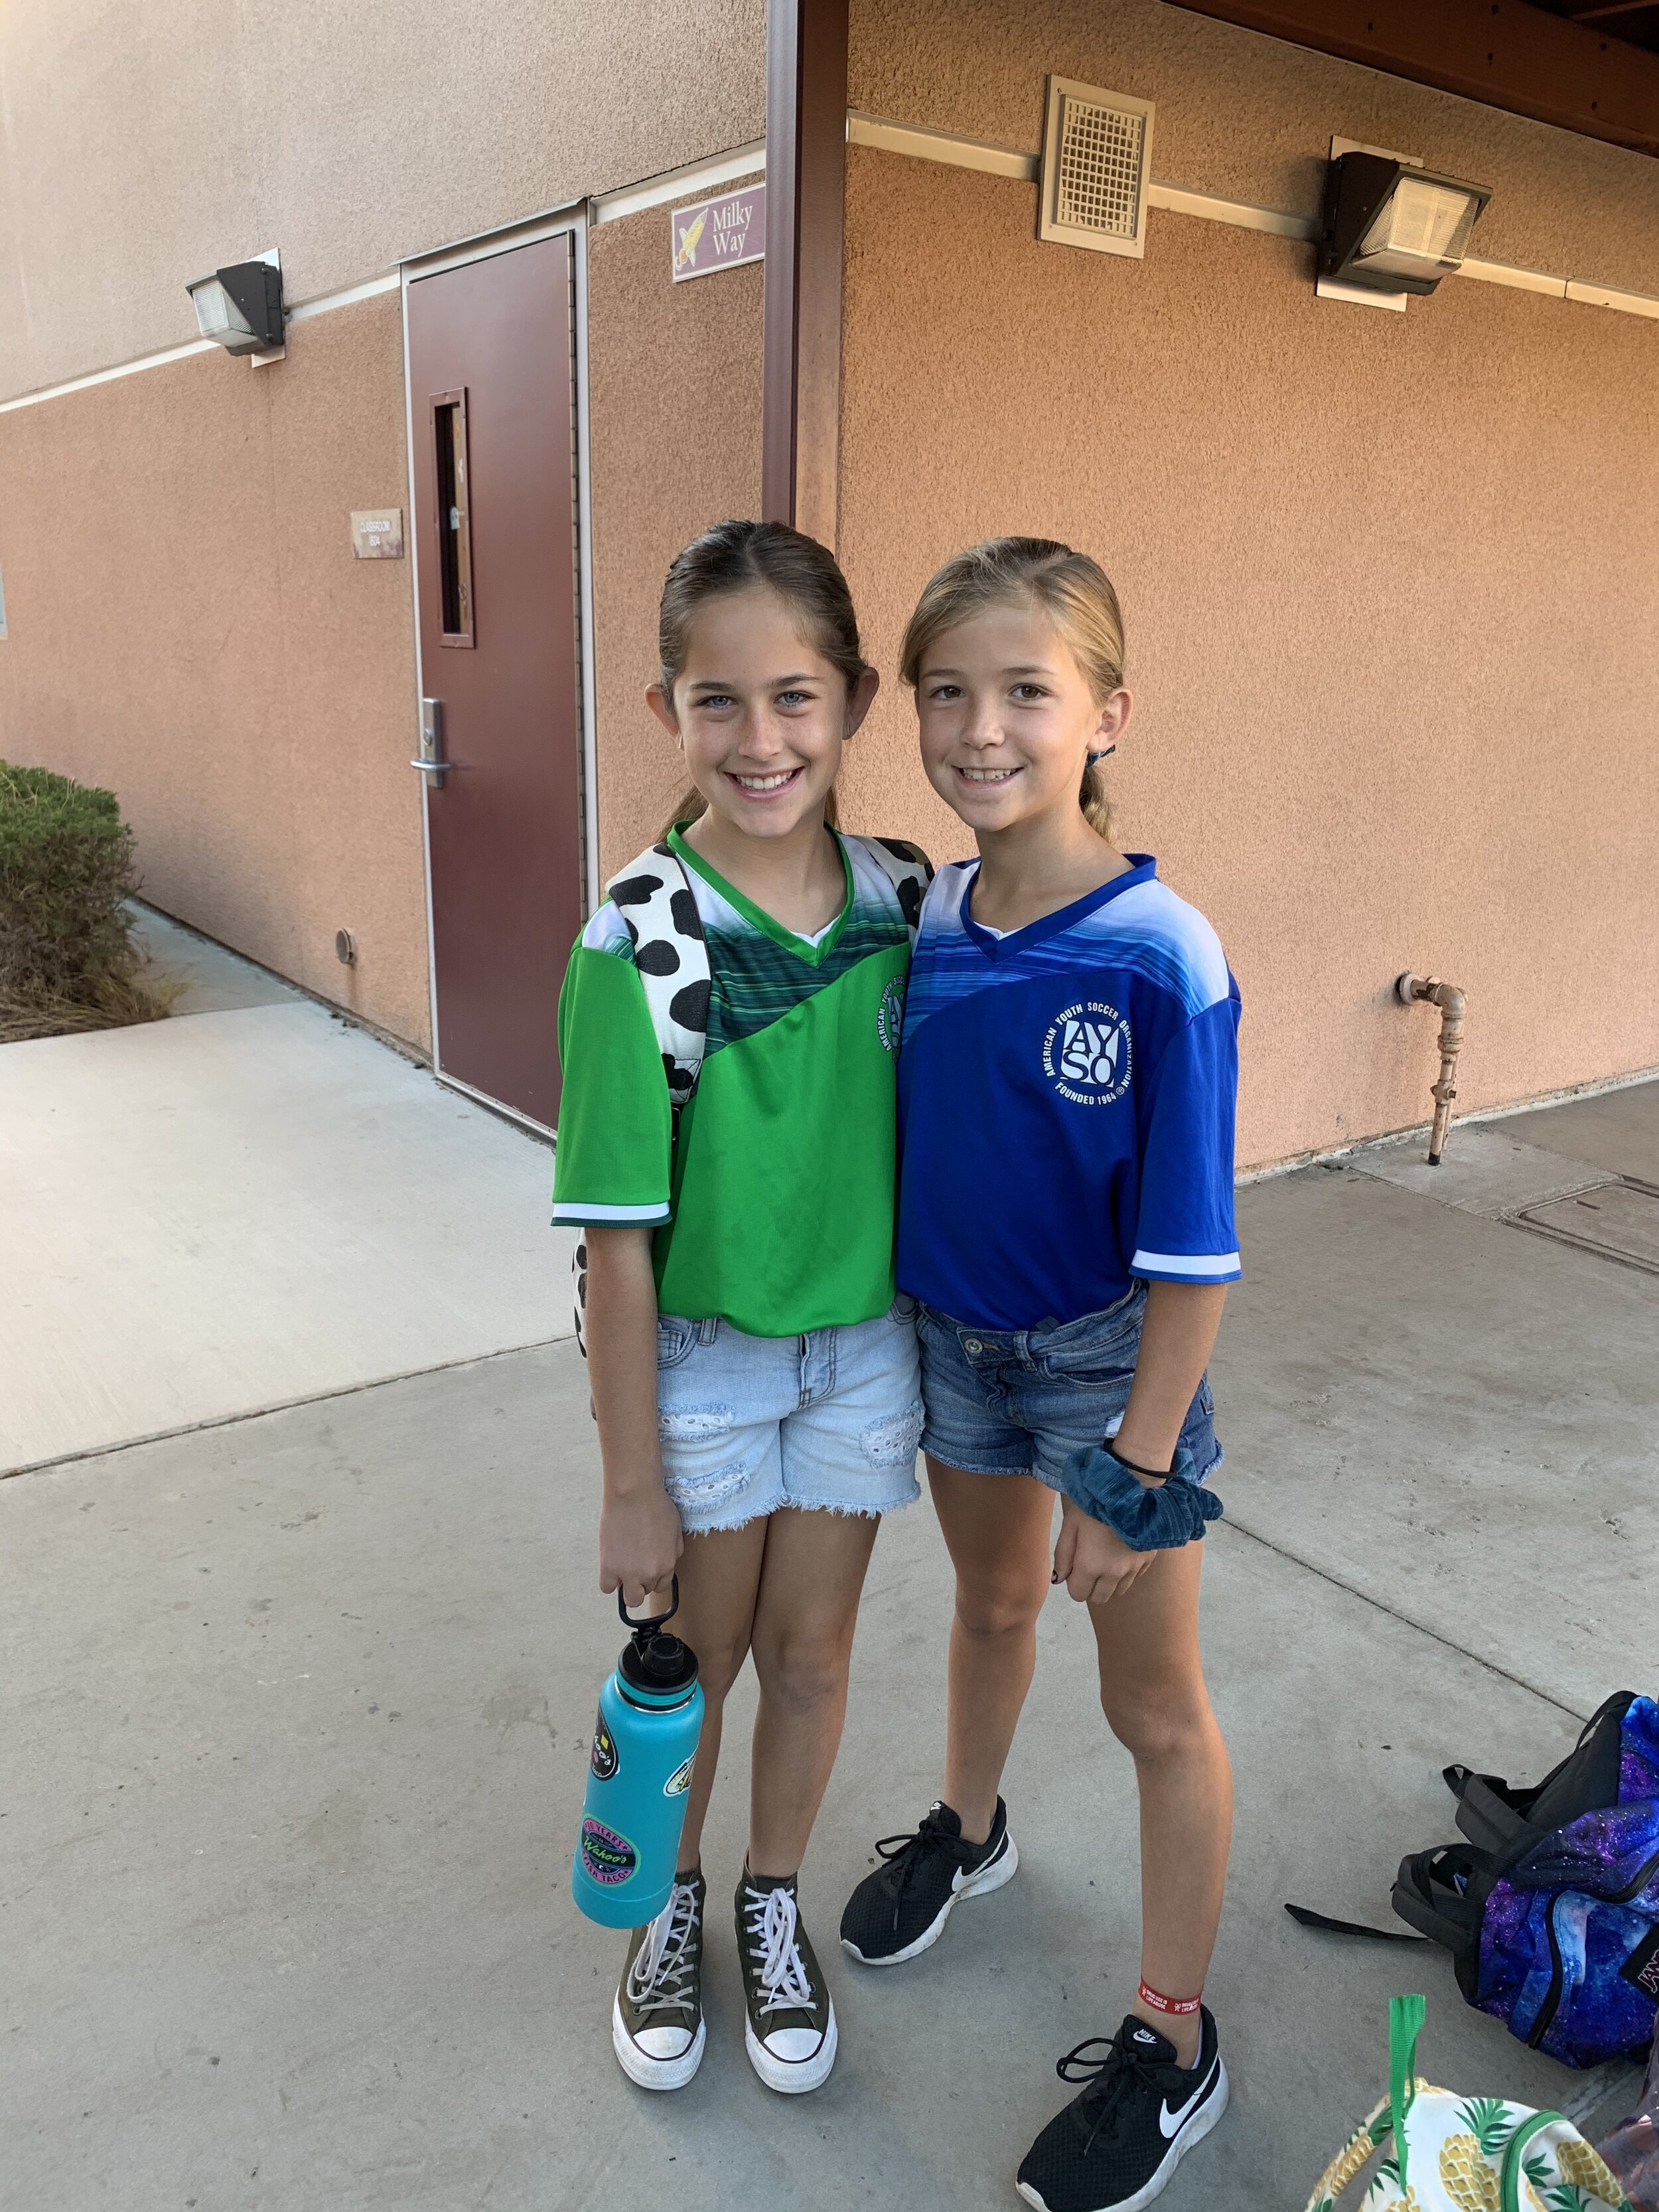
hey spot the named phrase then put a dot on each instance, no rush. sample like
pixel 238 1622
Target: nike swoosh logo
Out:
pixel 962 1875
pixel 1170 2123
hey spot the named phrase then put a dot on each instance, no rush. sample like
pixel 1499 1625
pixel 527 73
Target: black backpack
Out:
pixel 1551 1909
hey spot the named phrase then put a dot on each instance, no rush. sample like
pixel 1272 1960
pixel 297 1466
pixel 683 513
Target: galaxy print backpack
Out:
pixel 1551 1910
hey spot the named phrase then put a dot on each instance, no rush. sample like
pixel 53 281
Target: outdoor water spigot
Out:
pixel 1450 1000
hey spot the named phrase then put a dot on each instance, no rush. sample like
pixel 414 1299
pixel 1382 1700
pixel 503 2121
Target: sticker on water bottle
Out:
pixel 680 1780
pixel 604 1759
pixel 609 1857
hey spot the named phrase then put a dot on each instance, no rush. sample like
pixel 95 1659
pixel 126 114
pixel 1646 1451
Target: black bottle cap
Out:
pixel 658 1663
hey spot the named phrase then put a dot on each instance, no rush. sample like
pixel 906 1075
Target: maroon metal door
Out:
pixel 492 412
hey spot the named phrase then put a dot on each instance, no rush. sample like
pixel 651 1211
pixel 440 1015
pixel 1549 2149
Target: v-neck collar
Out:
pixel 1142 869
pixel 758 917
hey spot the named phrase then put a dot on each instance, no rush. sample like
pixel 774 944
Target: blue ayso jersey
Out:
pixel 1066 1097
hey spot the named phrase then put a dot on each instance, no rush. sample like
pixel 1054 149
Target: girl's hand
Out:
pixel 641 1540
pixel 1092 1560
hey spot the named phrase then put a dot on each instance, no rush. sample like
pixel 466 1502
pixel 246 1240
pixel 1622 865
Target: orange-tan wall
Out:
pixel 1391 581
pixel 188 627
pixel 675 406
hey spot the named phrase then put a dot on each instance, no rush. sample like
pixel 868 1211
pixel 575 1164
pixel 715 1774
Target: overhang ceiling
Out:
pixel 1585 67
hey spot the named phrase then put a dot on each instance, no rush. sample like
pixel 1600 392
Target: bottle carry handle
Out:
pixel 652 1621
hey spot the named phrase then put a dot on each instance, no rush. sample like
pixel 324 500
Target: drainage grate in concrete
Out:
pixel 1620 1220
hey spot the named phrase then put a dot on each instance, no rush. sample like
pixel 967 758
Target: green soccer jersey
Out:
pixel 775 1209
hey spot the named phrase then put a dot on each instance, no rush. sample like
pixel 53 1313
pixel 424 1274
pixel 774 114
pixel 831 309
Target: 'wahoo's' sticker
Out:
pixel 603 1758
pixel 1642 1966
pixel 680 1780
pixel 609 1857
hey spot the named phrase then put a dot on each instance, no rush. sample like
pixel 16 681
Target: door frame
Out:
pixel 573 220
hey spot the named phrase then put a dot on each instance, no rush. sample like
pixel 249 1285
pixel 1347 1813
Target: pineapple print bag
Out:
pixel 1447 2153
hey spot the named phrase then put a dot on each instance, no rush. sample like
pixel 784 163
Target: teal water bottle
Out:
pixel 644 1743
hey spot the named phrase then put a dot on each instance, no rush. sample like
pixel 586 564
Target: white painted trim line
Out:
pixel 1603 295
pixel 1521 279
pixel 593 892
pixel 108 376
pixel 1209 207
pixel 940 146
pixel 325 303
pixel 922 144
pixel 530 232
pixel 684 183
pixel 412 541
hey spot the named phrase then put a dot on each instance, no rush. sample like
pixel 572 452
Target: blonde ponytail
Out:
pixel 1097 807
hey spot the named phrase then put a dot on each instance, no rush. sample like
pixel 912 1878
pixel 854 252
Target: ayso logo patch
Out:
pixel 609 1857
pixel 890 1014
pixel 680 1780
pixel 603 1758
pixel 1088 1053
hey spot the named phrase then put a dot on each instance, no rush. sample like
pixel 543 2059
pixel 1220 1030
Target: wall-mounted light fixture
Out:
pixel 1392 227
pixel 240 307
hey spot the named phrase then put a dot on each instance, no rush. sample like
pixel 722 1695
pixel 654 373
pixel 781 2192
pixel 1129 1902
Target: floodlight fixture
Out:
pixel 240 307
pixel 1393 226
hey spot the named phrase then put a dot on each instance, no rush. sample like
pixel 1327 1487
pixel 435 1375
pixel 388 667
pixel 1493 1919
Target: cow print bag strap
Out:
pixel 660 910
pixel 908 870
pixel 653 896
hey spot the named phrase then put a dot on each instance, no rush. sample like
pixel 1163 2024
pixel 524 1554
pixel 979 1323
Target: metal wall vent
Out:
pixel 1096 159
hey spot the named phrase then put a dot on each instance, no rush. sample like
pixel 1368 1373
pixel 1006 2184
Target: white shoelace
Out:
pixel 774 1921
pixel 657 1980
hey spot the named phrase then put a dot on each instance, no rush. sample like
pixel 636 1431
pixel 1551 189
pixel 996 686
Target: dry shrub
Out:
pixel 67 957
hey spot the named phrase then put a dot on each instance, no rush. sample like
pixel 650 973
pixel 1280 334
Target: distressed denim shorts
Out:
pixel 1022 1402
pixel 829 1421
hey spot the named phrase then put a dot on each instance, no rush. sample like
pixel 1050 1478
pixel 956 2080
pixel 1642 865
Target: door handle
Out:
pixel 431 762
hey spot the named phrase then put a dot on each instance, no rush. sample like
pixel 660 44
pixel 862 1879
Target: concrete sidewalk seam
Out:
pixel 1406 1620
pixel 279 1406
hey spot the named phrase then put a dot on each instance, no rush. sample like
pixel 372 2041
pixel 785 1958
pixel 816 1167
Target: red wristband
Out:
pixel 1168 2004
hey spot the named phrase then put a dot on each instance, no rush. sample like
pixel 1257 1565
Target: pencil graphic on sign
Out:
pixel 688 240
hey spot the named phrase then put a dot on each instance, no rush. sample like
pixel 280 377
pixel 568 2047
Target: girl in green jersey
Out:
pixel 754 1372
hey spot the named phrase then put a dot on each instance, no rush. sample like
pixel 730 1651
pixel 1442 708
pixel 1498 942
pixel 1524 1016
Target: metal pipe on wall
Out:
pixel 1450 1000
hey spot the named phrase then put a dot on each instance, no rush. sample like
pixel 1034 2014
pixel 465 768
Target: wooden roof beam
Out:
pixel 1501 52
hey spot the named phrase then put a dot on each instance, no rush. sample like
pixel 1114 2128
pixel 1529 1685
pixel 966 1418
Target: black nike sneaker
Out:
pixel 1115 2147
pixel 899 1910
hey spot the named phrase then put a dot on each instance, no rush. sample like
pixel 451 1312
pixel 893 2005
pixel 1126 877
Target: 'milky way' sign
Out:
pixel 718 234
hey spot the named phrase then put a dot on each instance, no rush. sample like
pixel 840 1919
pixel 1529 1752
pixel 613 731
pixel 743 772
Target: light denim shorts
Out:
pixel 829 1421
pixel 1022 1402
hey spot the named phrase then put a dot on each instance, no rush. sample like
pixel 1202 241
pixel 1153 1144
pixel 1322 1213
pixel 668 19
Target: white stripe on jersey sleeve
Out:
pixel 569 1212
pixel 1199 1266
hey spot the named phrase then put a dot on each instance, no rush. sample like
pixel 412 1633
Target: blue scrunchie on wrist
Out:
pixel 1149 1516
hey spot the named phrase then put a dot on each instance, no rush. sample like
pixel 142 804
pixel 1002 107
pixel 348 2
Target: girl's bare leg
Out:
pixel 996 1528
pixel 1152 1687
pixel 802 1641
pixel 720 1577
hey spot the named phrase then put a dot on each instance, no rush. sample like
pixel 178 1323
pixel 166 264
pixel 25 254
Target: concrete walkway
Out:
pixel 297 1709
pixel 249 1203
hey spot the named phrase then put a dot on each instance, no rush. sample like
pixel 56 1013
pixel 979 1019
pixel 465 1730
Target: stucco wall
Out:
pixel 1252 117
pixel 1391 582
pixel 675 405
pixel 188 627
pixel 141 145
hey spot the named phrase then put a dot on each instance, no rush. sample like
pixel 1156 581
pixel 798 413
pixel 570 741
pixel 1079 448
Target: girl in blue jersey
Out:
pixel 1067 1096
